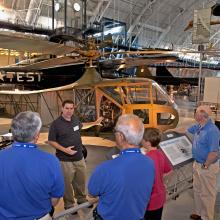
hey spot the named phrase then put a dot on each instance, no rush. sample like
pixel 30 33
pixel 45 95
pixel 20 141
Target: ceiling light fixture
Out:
pixel 76 7
pixel 57 6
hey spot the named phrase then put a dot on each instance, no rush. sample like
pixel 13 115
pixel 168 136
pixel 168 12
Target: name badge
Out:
pixel 76 128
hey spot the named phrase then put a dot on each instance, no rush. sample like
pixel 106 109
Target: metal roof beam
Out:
pixel 96 12
pixel 137 20
pixel 166 31
pixel 142 26
pixel 33 11
pixel 104 10
pixel 151 27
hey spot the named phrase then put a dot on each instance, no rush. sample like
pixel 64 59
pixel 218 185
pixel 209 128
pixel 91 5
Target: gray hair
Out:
pixel 25 126
pixel 131 127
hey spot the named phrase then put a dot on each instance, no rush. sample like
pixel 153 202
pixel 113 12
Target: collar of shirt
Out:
pixel 63 119
pixel 25 145
pixel 130 150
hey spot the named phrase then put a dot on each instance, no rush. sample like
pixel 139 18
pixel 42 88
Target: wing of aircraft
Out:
pixel 32 43
pixel 164 77
pixel 45 64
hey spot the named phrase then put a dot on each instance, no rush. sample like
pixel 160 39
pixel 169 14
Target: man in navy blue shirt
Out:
pixel 205 151
pixel 31 181
pixel 64 136
pixel 124 184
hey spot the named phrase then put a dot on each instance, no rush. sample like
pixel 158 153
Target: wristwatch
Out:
pixel 204 166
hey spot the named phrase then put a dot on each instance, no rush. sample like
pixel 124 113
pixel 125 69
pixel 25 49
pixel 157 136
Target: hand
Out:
pixel 205 167
pixel 93 199
pixel 99 120
pixel 69 150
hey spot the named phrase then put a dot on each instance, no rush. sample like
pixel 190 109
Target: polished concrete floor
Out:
pixel 180 208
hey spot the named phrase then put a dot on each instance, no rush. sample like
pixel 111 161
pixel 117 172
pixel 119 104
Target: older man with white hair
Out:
pixel 205 151
pixel 124 184
pixel 31 181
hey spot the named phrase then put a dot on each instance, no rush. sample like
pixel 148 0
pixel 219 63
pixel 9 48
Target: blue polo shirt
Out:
pixel 29 178
pixel 123 185
pixel 206 139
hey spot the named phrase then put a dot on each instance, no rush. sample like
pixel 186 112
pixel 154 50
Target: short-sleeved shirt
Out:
pixel 67 133
pixel 123 185
pixel 29 178
pixel 162 166
pixel 206 139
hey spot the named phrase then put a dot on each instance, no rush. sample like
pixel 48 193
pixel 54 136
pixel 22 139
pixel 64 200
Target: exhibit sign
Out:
pixel 178 150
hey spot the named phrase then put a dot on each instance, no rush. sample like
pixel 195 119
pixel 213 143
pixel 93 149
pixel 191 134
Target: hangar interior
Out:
pixel 93 52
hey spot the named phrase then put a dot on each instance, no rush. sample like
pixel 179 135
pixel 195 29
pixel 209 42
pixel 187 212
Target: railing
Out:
pixel 66 213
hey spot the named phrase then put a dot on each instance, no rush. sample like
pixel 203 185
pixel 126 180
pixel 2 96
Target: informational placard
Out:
pixel 178 150
pixel 201 26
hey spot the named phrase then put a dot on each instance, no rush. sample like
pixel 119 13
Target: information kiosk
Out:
pixel 178 149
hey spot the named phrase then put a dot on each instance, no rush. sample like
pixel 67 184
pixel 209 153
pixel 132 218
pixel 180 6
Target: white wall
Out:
pixel 212 90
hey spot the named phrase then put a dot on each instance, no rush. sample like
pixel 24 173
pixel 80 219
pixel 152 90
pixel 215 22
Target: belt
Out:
pixel 96 215
pixel 45 217
pixel 217 161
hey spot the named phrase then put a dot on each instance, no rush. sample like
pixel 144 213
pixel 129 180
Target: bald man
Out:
pixel 205 150
pixel 124 184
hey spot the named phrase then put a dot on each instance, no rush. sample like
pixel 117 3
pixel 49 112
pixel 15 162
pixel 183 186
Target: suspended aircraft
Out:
pixel 94 96
pixel 70 61
pixel 215 11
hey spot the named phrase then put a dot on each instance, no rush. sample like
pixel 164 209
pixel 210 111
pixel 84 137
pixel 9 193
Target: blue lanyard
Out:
pixel 25 145
pixel 131 150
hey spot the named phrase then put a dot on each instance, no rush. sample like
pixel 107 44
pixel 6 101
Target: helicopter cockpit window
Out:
pixel 113 92
pixel 136 94
pixel 165 118
pixel 160 96
pixel 143 114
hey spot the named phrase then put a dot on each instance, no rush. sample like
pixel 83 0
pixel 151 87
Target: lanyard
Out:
pixel 131 150
pixel 25 145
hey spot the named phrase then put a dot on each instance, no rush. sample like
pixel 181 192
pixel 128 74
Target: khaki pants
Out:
pixel 204 187
pixel 75 180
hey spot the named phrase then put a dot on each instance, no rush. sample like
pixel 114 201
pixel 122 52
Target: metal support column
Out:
pixel 200 75
pixel 84 6
pixel 65 16
pixel 52 15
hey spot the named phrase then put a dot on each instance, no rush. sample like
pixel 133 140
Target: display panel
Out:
pixel 178 150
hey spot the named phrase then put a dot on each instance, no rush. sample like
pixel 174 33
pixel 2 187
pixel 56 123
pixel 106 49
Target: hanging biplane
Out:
pixel 93 95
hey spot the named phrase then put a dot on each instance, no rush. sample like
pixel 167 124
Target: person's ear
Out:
pixel 36 136
pixel 122 136
pixel 145 143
